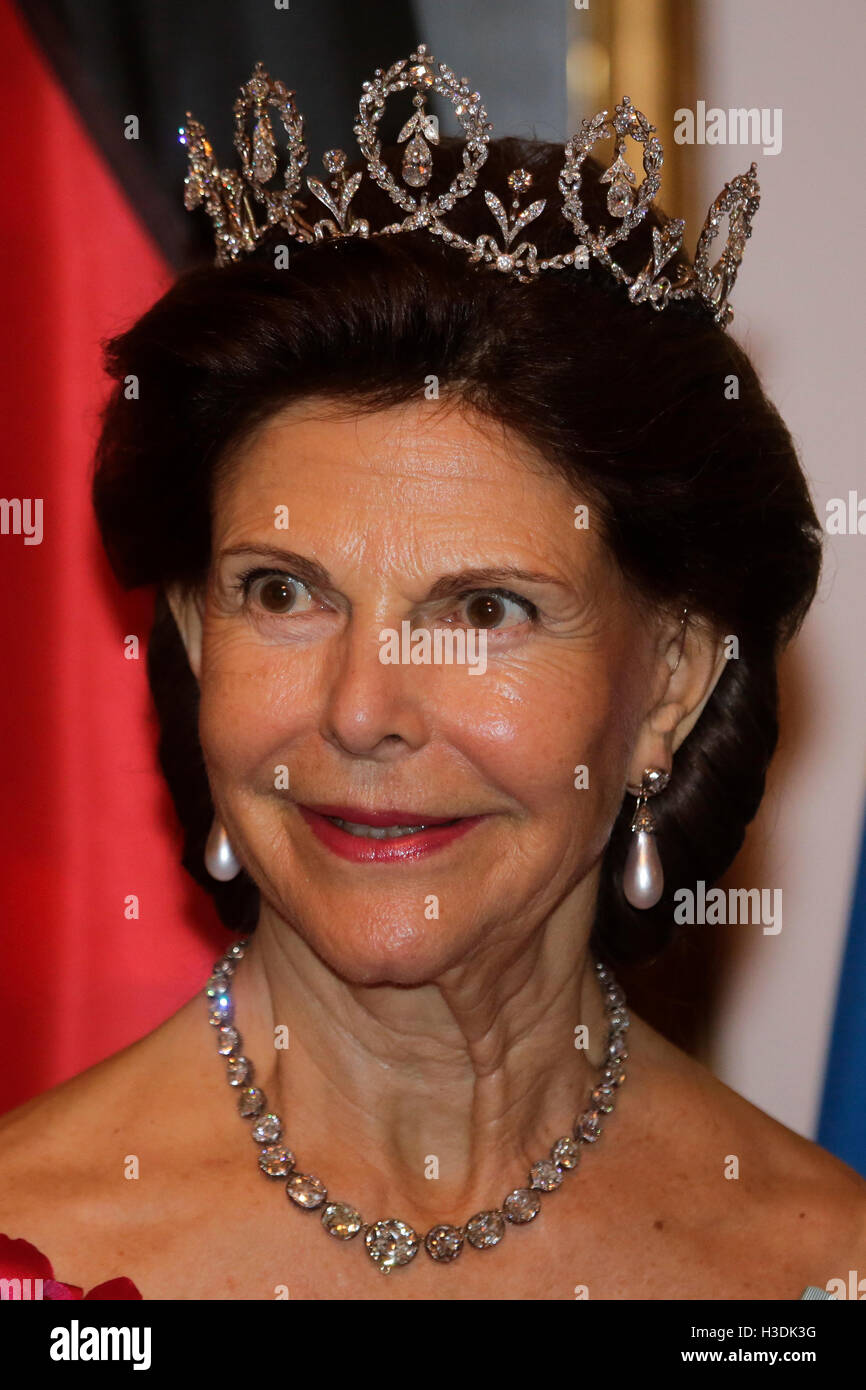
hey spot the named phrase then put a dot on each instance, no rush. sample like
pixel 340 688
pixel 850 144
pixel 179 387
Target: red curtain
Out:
pixel 89 837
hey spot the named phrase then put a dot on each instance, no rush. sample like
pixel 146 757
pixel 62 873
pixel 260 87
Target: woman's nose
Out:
pixel 371 706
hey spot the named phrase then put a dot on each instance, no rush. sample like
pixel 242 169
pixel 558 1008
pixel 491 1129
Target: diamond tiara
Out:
pixel 232 198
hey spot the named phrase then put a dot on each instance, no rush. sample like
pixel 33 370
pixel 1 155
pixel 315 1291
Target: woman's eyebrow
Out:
pixel 482 576
pixel 311 572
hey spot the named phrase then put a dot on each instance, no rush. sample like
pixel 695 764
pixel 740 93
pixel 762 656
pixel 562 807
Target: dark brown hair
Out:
pixel 701 497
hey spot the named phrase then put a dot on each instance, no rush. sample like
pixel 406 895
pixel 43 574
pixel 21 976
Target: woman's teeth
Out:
pixel 377 832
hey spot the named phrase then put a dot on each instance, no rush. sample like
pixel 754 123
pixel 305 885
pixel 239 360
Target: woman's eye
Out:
pixel 492 609
pixel 274 592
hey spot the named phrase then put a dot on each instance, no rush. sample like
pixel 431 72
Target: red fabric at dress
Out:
pixel 21 1260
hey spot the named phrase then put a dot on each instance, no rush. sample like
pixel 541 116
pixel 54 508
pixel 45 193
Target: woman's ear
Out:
pixel 700 662
pixel 186 604
pixel 689 664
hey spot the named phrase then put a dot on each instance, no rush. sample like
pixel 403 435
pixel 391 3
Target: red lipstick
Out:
pixel 438 832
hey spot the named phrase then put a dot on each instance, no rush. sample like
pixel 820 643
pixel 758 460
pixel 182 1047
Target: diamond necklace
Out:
pixel 392 1243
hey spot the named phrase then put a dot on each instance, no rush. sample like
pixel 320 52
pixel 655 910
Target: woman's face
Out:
pixel 330 529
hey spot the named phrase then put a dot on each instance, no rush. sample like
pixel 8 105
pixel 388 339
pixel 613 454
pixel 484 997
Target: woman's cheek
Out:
pixel 243 707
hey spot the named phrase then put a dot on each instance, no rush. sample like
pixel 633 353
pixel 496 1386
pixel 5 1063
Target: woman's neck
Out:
pixel 431 1098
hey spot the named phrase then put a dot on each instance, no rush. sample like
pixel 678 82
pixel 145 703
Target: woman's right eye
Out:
pixel 273 591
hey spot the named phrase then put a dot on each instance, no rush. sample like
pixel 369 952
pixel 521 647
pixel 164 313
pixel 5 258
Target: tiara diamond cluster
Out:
pixel 243 208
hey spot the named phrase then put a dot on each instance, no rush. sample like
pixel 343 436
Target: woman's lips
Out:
pixel 436 834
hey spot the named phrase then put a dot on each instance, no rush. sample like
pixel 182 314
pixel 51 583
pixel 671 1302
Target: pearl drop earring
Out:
pixel 219 857
pixel 643 879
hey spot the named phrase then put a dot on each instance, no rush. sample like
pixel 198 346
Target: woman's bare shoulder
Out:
pixel 95 1173
pixel 64 1107
pixel 749 1179
pixel 74 1139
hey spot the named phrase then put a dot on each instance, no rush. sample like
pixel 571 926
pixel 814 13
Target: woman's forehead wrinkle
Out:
pixel 434 442
pixel 411 492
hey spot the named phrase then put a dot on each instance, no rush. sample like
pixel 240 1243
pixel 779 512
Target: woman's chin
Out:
pixel 401 952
